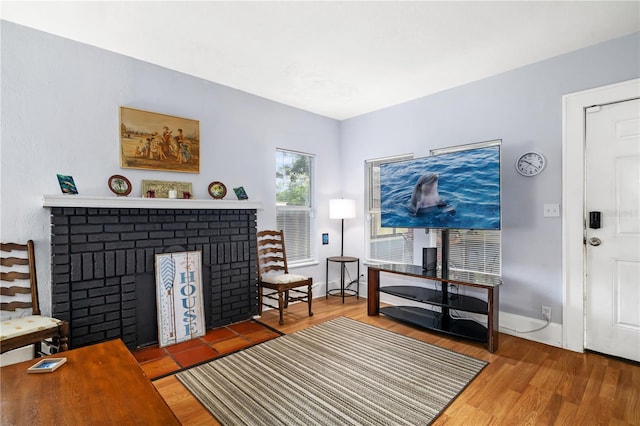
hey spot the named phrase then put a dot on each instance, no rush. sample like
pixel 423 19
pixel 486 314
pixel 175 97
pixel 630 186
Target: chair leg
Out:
pixel 64 337
pixel 309 299
pixel 259 300
pixel 281 306
pixel 286 299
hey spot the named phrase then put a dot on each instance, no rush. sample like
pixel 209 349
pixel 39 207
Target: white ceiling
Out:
pixel 337 59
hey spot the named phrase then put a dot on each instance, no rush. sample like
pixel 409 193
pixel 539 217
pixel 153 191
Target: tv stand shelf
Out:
pixel 436 298
pixel 432 320
pixel 447 302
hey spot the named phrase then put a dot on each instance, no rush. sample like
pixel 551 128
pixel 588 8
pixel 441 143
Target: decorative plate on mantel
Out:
pixel 119 185
pixel 217 190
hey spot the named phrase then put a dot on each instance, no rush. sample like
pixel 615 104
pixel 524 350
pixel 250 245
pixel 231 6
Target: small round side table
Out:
pixel 342 291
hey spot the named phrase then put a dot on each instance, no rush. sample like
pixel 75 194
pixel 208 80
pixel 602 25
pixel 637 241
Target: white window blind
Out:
pixel 474 250
pixel 393 245
pixel 294 176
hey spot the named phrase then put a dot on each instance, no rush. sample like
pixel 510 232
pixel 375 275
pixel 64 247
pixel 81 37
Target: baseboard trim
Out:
pixel 518 325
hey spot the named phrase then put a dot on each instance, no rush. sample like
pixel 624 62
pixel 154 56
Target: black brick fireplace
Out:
pixel 103 267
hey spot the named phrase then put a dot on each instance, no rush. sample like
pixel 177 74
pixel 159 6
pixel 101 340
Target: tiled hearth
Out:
pixel 103 266
pixel 157 362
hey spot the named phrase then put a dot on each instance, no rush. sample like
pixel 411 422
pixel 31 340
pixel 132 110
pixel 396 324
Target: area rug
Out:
pixel 341 372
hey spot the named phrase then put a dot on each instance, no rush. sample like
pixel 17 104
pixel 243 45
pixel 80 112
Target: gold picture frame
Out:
pixel 154 141
pixel 161 188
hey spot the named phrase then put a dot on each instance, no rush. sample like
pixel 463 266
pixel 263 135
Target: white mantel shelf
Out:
pixel 145 203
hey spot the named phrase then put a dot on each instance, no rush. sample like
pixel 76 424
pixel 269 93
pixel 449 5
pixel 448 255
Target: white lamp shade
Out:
pixel 342 209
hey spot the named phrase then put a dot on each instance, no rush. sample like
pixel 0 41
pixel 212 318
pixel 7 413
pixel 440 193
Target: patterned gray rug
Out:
pixel 341 372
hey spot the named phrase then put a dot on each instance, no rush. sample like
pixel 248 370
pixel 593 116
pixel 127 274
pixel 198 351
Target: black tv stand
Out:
pixel 441 321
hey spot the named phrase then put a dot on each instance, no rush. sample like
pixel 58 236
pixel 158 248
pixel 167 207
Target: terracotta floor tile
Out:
pixel 195 355
pixel 160 366
pixel 156 362
pixel 231 345
pixel 218 334
pixel 147 354
pixel 183 346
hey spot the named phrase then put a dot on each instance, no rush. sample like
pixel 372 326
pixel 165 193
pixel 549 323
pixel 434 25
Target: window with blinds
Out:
pixel 394 245
pixel 294 184
pixel 474 250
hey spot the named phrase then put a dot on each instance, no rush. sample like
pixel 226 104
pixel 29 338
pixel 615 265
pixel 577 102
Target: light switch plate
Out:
pixel 551 210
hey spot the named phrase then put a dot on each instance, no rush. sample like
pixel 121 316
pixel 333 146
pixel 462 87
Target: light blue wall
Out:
pixel 522 107
pixel 60 106
pixel 59 114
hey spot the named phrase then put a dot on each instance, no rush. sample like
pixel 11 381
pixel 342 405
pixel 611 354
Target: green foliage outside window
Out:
pixel 293 182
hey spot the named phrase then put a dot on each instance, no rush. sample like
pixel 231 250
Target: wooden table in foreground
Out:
pixel 100 384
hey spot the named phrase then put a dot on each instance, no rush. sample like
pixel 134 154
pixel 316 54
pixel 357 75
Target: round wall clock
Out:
pixel 530 163
pixel 217 190
pixel 119 185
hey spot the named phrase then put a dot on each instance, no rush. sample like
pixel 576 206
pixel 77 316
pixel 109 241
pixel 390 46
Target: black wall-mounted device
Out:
pixel 594 220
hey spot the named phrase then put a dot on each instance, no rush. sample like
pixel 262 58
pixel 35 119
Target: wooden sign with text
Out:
pixel 179 297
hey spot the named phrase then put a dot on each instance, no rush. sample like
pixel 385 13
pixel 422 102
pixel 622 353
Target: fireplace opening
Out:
pixel 146 311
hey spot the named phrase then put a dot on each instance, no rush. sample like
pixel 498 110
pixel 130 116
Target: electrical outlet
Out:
pixel 546 313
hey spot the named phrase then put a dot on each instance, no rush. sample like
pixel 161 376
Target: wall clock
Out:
pixel 119 185
pixel 530 163
pixel 217 190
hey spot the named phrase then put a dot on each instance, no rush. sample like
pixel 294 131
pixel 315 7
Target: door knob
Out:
pixel 595 241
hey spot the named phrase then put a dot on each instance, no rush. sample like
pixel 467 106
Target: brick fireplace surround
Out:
pixel 103 263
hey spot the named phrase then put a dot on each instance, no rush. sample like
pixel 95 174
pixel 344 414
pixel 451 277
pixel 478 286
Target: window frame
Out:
pixel 293 240
pixel 373 215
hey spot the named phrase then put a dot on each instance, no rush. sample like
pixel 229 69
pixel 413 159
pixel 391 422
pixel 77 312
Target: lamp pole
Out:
pixel 342 240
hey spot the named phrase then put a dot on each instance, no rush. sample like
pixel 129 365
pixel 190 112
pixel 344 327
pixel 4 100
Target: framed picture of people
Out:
pixel 154 141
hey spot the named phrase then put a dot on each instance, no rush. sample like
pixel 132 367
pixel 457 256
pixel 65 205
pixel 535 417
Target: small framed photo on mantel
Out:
pixel 67 184
pixel 241 193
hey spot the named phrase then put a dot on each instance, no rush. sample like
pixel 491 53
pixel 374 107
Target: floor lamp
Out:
pixel 342 209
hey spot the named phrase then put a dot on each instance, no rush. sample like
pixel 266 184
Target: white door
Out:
pixel 613 250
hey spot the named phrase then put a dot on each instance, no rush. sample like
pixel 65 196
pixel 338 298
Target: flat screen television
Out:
pixel 454 188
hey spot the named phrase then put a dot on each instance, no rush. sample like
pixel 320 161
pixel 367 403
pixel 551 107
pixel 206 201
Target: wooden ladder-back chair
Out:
pixel 21 323
pixel 273 273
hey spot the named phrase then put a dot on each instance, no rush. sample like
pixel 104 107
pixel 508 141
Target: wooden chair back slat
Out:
pixel 14 275
pixel 276 268
pixel 12 291
pixel 275 250
pixel 12 261
pixel 272 259
pixel 12 306
pixel 9 247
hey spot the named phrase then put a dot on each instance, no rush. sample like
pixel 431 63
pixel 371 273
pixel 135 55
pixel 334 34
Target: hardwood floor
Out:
pixel 525 383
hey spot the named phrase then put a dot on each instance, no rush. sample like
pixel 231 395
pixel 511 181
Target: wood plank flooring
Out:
pixel 525 383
